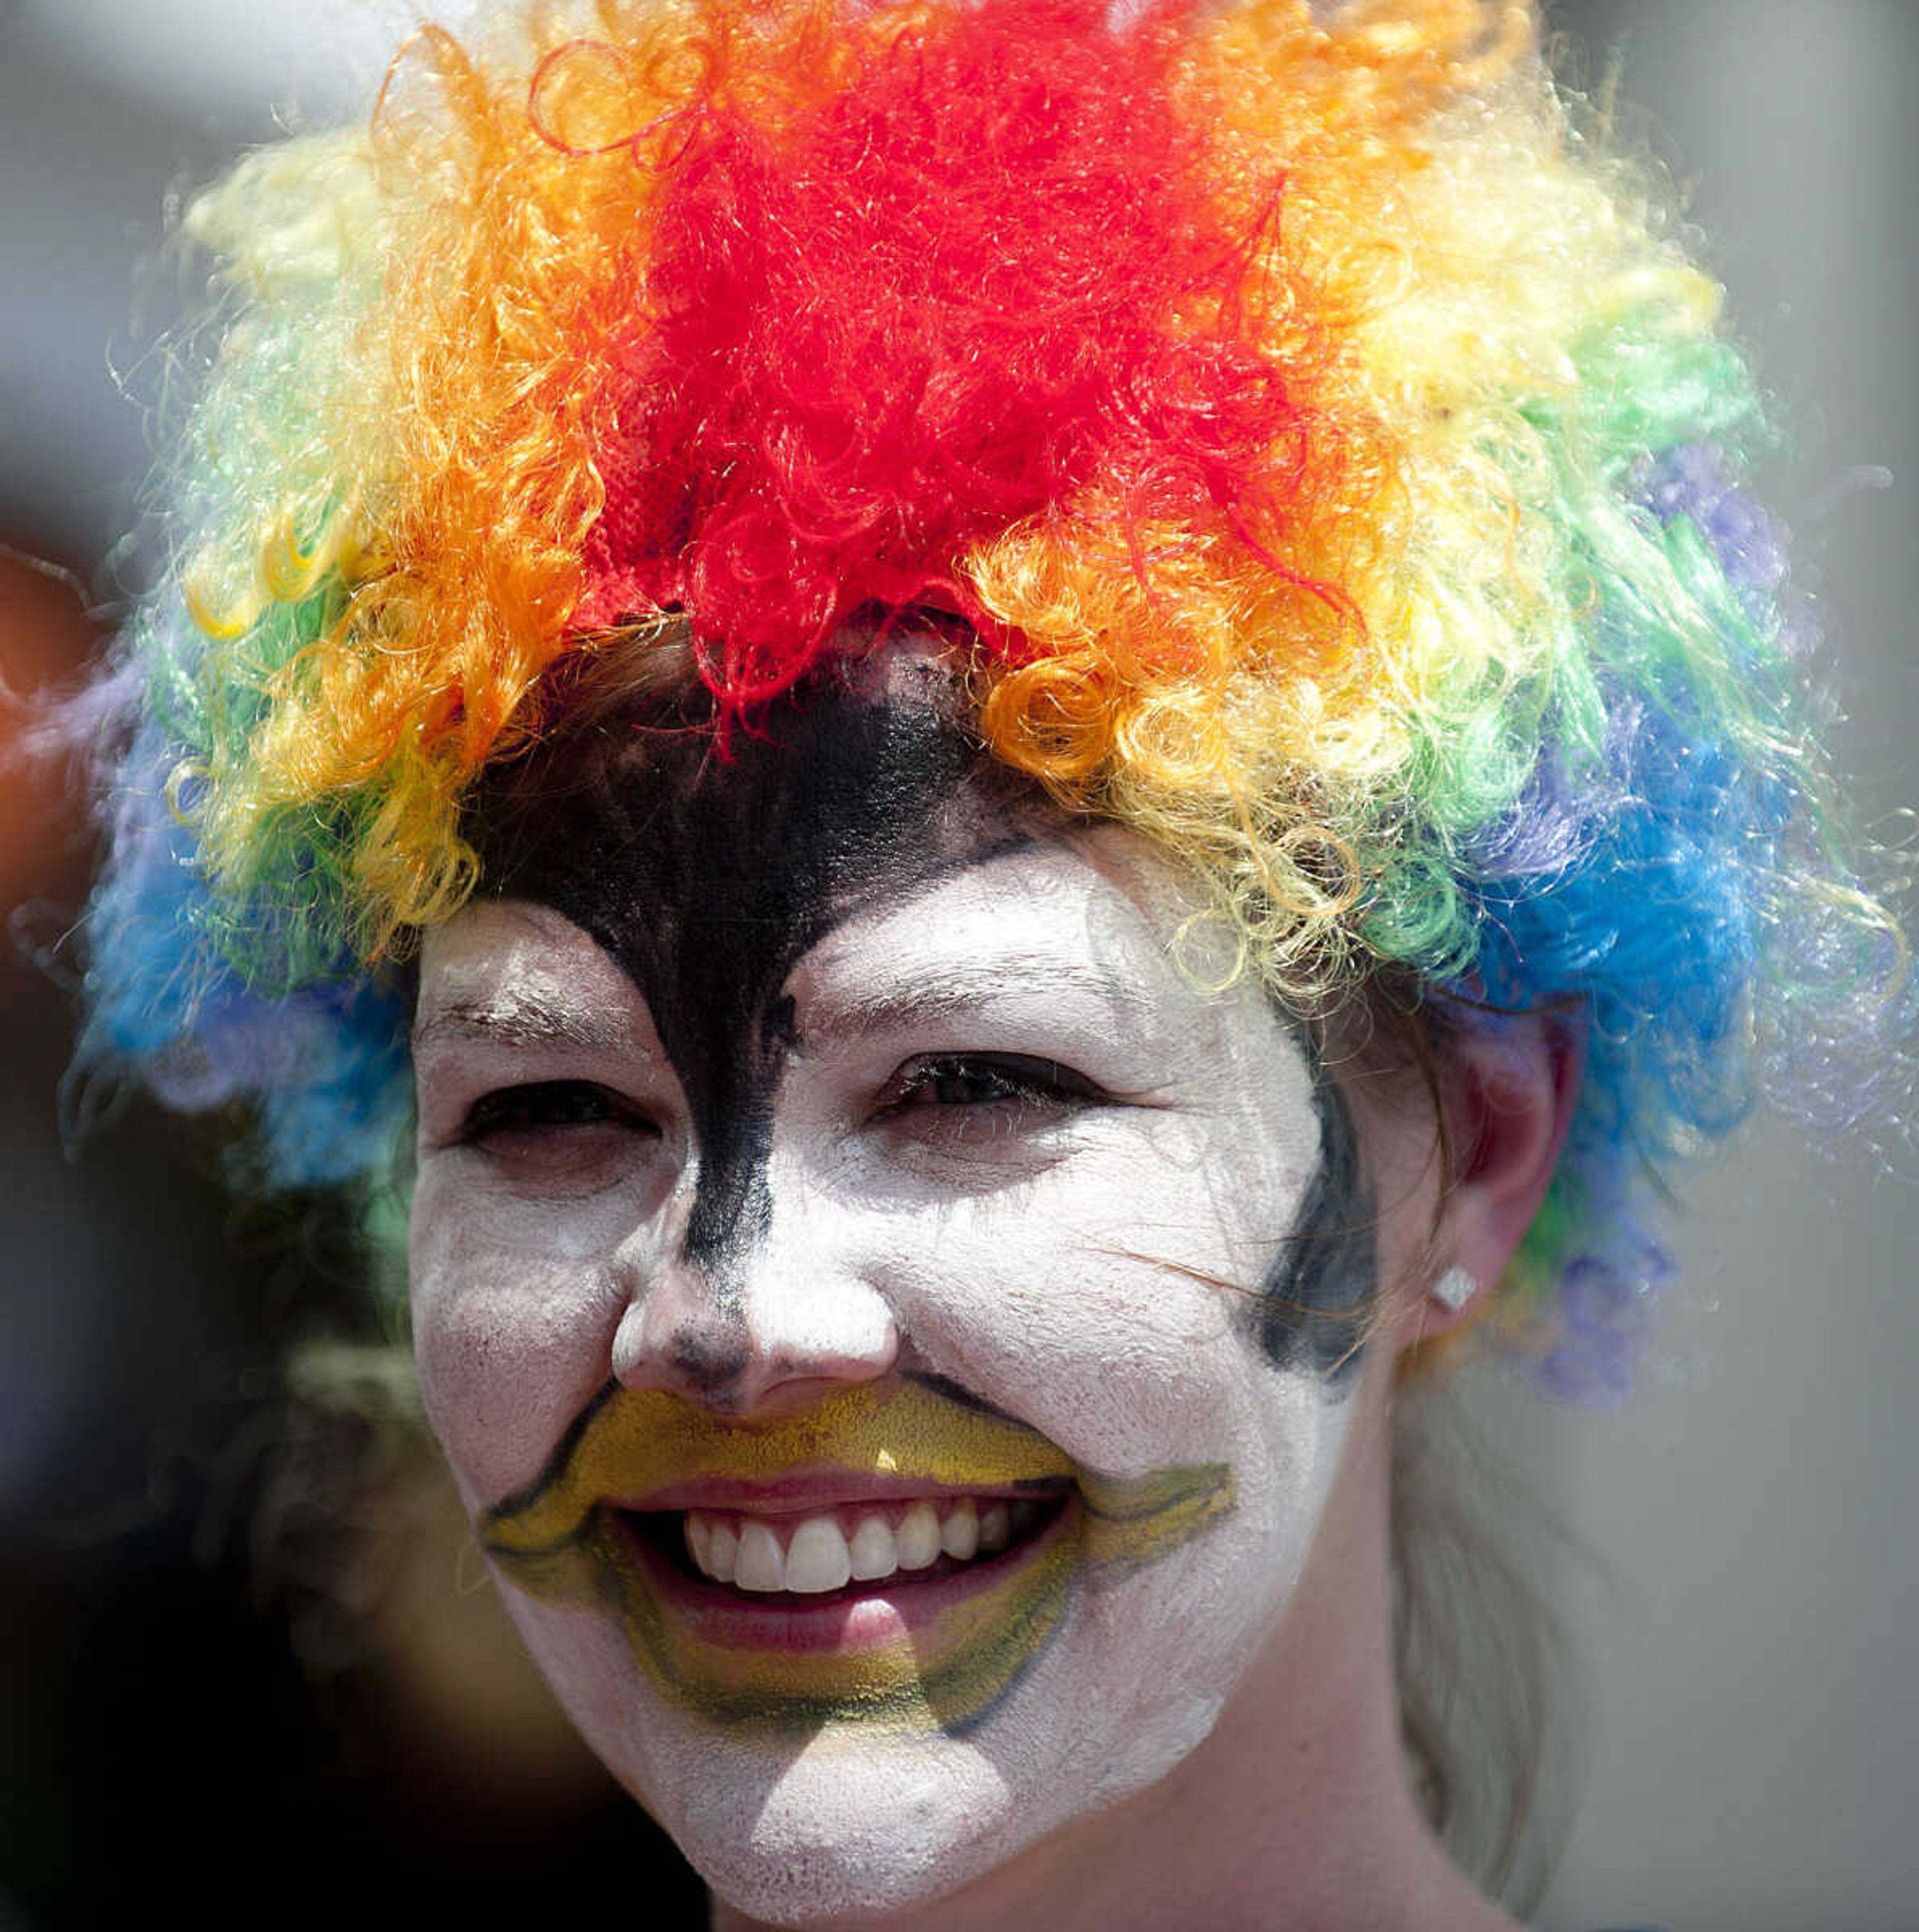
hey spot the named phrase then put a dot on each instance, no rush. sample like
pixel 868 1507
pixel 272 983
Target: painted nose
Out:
pixel 771 1322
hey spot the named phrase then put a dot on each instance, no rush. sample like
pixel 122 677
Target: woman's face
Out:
pixel 892 1328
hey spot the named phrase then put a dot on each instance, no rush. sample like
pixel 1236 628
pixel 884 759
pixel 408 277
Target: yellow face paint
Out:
pixel 567 1540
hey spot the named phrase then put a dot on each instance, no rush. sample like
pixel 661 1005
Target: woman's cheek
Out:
pixel 1067 1312
pixel 513 1325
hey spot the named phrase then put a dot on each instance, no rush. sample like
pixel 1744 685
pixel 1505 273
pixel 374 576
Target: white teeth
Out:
pixel 816 1556
pixel 874 1553
pixel 761 1566
pixel 817 1559
pixel 918 1538
pixel 959 1534
pixel 722 1552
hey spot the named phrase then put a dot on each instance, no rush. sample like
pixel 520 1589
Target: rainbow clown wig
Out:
pixel 1331 452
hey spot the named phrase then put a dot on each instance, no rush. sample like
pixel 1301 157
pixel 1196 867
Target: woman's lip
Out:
pixel 884 1611
pixel 800 1492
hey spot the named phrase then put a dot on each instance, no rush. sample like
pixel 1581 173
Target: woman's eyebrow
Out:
pixel 956 992
pixel 521 1018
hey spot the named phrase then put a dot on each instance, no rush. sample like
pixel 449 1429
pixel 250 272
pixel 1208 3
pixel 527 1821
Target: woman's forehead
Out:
pixel 705 872
pixel 1044 917
pixel 854 866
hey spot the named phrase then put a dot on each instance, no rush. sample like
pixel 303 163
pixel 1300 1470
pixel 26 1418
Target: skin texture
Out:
pixel 831 1117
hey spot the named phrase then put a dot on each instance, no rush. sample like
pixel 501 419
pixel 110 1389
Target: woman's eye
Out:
pixel 549 1103
pixel 569 1125
pixel 977 1081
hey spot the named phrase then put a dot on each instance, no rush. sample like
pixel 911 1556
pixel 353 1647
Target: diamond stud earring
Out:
pixel 1455 1288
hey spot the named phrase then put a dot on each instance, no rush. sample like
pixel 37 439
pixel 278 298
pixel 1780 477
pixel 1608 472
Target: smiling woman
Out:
pixel 877 1313
pixel 1011 749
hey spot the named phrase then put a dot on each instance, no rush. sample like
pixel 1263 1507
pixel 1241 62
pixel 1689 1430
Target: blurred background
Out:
pixel 1741 1561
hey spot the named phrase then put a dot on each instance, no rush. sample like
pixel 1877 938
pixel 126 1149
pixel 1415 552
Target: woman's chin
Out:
pixel 855 1823
pixel 835 1843
pixel 848 1827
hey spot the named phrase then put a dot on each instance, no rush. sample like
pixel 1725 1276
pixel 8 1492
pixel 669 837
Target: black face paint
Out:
pixel 706 879
pixel 1318 1296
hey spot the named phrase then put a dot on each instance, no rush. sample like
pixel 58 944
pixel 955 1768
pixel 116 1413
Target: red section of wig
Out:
pixel 985 277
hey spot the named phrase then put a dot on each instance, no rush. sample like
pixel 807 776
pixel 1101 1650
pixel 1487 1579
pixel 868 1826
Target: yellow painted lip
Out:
pixel 564 1540
pixel 633 1445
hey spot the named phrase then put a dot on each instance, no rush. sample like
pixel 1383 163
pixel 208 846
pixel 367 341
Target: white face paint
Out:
pixel 1022 1194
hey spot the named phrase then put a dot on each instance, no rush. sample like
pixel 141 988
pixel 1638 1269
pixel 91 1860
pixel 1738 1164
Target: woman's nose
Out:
pixel 771 1322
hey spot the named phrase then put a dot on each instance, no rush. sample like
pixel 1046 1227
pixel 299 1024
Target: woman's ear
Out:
pixel 1509 1084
